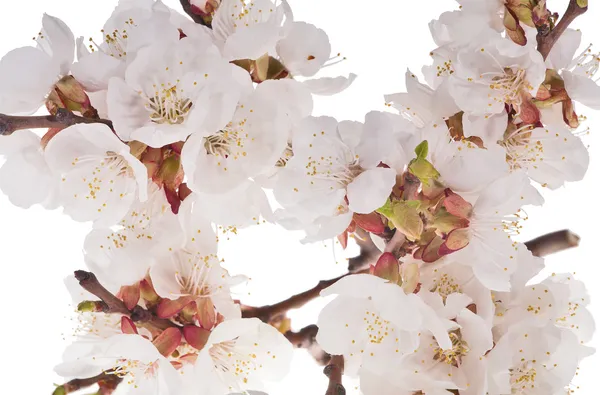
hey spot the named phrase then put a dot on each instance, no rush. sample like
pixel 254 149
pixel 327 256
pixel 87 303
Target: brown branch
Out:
pixel 553 242
pixel 546 40
pixel 541 246
pixel 195 13
pixel 63 119
pixel 368 252
pixel 306 338
pixel 107 382
pixel 266 313
pixel 334 371
pixel 90 283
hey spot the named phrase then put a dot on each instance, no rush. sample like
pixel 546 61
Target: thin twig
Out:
pixel 90 283
pixel 547 41
pixel 334 371
pixel 552 243
pixel 108 383
pixel 63 119
pixel 541 246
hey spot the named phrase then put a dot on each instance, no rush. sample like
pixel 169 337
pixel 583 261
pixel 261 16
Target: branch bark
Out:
pixel 547 41
pixel 553 242
pixel 63 119
pixel 90 283
pixel 541 246
pixel 108 383
pixel 334 371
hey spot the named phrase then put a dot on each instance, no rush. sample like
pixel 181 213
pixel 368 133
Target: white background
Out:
pixel 381 38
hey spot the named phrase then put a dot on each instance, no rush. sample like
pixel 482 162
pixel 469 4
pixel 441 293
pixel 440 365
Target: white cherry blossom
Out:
pixel 335 169
pixel 174 89
pixel 28 74
pixel 134 358
pixel 240 355
pixel 100 179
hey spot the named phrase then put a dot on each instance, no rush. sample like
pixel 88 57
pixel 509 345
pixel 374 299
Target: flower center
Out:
pixel 228 143
pixel 520 150
pixel 454 355
pixel 229 361
pixel 509 84
pixel 522 378
pixel 194 274
pixel 333 169
pixel 168 105
pixel 588 63
pixel 446 285
pixel 377 328
pixel 134 368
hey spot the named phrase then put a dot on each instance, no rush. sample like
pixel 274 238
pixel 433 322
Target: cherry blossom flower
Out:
pixel 241 355
pixel 132 357
pixel 335 170
pixel 245 146
pixel 123 254
pixel 100 179
pixel 28 74
pixel 488 76
pixel 170 92
pixel 368 323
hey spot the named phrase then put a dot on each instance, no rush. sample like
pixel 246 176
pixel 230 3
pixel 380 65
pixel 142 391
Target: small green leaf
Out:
pixel 422 150
pixel 582 3
pixel 424 170
pixel 386 210
pixel 407 220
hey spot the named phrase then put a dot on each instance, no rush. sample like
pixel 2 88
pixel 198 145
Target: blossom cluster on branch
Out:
pixel 168 131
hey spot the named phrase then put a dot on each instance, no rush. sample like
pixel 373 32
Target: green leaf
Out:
pixel 582 3
pixel 386 210
pixel 407 220
pixel 424 170
pixel 422 150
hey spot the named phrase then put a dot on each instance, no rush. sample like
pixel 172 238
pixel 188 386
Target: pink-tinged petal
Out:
pixel 168 308
pixel 431 252
pixel 370 222
pixel 168 341
pixel 197 337
pixel 457 206
pixel 456 240
pixel 130 295
pixel 128 327
pixel 343 239
pixel 387 267
pixel 206 313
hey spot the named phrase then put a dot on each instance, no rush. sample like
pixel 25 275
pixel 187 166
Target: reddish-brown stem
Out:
pixel 547 41
pixel 541 246
pixel 334 371
pixel 553 242
pixel 63 118
pixel 107 382
pixel 90 283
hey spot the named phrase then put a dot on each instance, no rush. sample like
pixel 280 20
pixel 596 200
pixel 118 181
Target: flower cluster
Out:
pixel 165 131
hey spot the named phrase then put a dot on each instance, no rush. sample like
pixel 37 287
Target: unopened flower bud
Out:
pixel 92 306
pixel 69 93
